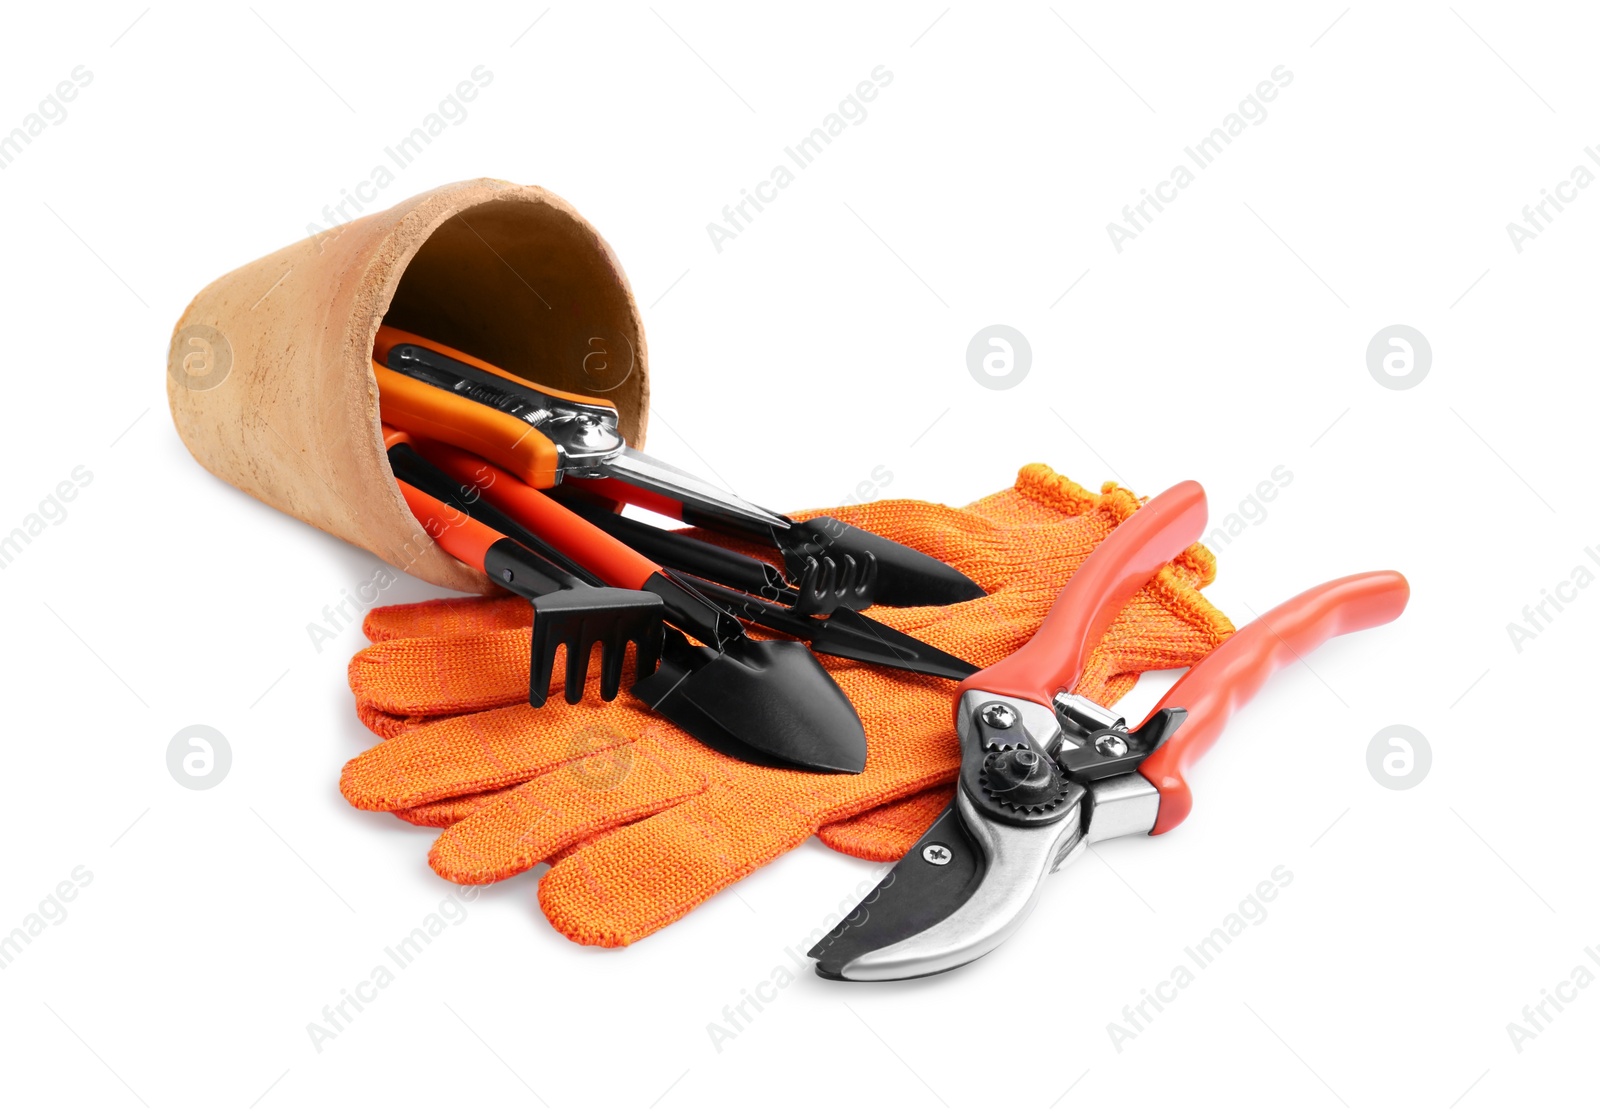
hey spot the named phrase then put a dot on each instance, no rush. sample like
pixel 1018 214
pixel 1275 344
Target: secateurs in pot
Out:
pixel 547 437
pixel 1045 771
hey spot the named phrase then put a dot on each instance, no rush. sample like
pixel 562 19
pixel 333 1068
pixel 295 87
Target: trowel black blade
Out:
pixel 767 696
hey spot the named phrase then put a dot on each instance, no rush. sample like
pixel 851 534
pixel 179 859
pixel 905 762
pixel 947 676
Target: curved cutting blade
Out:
pixel 934 879
pixel 965 887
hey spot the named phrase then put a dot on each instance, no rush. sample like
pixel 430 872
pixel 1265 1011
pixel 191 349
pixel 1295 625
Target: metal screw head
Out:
pixel 997 715
pixel 936 854
pixel 1109 744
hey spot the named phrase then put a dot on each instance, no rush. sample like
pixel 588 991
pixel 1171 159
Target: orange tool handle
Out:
pixel 1232 674
pixel 461 536
pixel 421 408
pixel 1108 579
pixel 435 413
pixel 613 562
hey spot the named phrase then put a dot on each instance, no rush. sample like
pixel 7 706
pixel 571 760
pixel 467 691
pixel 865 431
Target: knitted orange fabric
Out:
pixel 641 821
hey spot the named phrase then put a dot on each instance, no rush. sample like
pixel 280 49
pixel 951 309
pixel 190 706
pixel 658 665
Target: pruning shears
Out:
pixel 1045 771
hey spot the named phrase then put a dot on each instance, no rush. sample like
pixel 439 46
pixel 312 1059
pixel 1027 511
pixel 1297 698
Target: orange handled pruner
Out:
pixel 547 437
pixel 1045 771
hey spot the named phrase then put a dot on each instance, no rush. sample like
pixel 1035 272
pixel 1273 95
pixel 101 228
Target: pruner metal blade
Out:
pixel 972 879
pixel 963 889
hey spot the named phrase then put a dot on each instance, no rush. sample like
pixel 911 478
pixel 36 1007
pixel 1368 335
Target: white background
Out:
pixel 1228 339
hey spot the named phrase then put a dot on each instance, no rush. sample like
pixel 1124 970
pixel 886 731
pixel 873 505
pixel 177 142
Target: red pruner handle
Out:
pixel 1108 579
pixel 1232 674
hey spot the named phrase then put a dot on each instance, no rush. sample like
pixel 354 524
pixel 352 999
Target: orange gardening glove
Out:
pixel 640 821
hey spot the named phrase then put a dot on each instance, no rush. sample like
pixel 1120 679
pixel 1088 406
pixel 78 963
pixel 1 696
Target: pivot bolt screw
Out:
pixel 936 854
pixel 997 715
pixel 1109 744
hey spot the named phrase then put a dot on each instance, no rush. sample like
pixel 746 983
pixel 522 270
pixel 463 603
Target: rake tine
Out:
pixel 647 649
pixel 570 608
pixel 612 654
pixel 541 663
pixel 578 652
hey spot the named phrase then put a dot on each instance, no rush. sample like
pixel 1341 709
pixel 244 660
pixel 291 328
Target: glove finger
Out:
pixel 481 752
pixel 636 880
pixel 428 677
pixel 447 616
pixel 536 820
pixel 387 725
pixel 633 881
pixel 451 675
pixel 448 812
pixel 885 833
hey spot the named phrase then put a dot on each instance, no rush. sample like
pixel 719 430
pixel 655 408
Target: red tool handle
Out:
pixel 1108 579
pixel 1232 674
pixel 615 563
pixel 459 535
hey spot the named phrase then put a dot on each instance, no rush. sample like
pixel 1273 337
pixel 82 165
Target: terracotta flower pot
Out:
pixel 270 377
